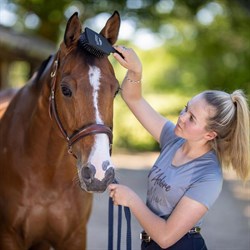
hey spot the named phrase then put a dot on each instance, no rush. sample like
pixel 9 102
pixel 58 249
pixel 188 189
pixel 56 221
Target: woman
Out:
pixel 212 132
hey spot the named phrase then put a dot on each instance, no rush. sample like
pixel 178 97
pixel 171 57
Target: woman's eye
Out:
pixel 186 110
pixel 117 92
pixel 66 91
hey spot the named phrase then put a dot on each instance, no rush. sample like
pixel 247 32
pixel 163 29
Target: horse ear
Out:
pixel 111 28
pixel 73 30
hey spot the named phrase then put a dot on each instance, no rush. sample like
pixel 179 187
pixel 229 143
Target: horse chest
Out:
pixel 48 216
pixel 43 221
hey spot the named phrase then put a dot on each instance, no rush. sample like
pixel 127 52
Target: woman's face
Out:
pixel 191 124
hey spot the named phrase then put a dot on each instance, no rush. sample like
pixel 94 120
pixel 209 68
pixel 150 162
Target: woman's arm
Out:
pixel 131 93
pixel 164 232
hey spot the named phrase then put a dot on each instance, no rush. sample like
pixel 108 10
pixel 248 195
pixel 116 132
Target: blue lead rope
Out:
pixel 128 219
pixel 110 224
pixel 119 226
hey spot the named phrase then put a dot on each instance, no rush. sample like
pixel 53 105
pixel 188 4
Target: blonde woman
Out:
pixel 212 132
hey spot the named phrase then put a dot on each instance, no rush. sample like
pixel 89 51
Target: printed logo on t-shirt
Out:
pixel 158 178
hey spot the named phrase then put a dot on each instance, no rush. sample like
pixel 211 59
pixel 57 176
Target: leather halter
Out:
pixel 84 131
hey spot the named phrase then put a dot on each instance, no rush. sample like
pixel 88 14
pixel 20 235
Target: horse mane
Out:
pixel 42 68
pixel 35 83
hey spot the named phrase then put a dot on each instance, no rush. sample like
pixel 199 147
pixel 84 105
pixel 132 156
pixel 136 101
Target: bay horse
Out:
pixel 67 105
pixel 6 96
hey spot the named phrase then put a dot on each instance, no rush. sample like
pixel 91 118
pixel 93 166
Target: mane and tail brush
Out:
pixel 96 44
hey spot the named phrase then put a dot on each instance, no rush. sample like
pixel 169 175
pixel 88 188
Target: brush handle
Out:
pixel 116 51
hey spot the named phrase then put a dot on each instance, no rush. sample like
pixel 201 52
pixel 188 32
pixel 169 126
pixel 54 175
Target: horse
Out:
pixel 55 142
pixel 6 96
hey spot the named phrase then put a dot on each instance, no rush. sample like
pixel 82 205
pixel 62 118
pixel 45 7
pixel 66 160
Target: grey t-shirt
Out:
pixel 200 179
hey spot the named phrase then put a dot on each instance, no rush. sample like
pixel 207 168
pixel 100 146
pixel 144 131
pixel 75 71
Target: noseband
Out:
pixel 84 131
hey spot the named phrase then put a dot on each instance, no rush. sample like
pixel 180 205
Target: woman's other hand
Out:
pixel 130 60
pixel 121 195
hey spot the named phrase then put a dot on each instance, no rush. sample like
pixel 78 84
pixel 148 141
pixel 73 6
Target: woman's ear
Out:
pixel 210 135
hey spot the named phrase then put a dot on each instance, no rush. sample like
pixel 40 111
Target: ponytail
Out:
pixel 231 123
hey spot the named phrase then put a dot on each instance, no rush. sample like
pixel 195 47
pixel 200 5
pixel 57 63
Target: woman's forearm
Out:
pixel 131 87
pixel 151 223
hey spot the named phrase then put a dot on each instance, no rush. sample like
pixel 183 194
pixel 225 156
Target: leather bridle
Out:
pixel 82 132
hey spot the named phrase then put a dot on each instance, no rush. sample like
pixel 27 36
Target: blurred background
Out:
pixel 186 46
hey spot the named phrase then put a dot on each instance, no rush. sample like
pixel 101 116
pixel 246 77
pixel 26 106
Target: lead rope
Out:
pixel 119 226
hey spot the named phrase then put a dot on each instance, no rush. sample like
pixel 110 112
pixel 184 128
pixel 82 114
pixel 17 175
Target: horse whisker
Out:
pixel 76 180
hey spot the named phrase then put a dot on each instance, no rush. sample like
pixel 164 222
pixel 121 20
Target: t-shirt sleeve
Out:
pixel 207 189
pixel 167 134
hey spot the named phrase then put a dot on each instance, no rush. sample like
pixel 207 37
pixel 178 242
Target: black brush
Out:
pixel 96 44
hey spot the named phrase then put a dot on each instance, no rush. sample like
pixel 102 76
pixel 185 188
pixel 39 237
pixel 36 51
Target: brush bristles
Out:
pixel 86 46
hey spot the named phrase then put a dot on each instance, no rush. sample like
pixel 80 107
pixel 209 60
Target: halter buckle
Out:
pixel 53 73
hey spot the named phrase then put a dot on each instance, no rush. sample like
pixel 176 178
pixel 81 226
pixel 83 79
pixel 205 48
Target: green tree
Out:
pixel 209 40
pixel 204 45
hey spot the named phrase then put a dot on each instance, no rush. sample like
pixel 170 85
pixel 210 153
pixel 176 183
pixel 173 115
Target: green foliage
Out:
pixel 129 133
pixel 198 53
pixel 18 73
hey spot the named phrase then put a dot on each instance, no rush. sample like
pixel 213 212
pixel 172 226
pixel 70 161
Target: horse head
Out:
pixel 83 88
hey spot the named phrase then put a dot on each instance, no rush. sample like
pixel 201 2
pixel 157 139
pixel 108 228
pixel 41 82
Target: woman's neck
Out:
pixel 194 151
pixel 187 153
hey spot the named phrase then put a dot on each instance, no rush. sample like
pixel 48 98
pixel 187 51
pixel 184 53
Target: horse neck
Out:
pixel 42 127
pixel 46 141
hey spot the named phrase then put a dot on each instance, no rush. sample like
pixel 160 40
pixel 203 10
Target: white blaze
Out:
pixel 100 149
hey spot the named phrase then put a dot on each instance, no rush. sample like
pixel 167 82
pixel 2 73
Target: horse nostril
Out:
pixel 110 174
pixel 88 173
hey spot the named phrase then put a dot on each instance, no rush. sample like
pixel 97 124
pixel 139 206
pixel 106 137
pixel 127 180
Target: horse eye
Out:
pixel 66 91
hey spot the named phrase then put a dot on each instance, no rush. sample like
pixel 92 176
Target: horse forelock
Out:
pixel 89 52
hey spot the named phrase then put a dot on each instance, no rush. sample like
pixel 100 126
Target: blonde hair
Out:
pixel 231 124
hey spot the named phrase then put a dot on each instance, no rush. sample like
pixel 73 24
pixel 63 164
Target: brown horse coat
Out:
pixel 41 203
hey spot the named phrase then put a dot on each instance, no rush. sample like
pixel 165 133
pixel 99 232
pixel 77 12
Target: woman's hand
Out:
pixel 121 195
pixel 130 59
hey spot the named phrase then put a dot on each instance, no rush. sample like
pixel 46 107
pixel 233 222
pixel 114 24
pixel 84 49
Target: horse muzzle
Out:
pixel 90 183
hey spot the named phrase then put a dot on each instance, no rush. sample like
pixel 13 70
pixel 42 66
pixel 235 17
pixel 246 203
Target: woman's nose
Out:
pixel 183 116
